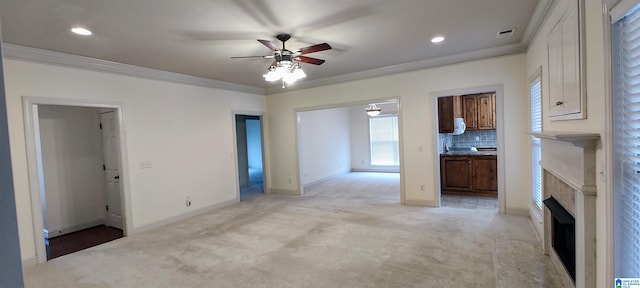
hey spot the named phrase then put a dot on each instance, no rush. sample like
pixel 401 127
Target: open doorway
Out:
pixel 76 173
pixel 77 150
pixel 250 155
pixel 345 139
pixel 469 149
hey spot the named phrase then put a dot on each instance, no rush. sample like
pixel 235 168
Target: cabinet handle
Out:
pixel 559 103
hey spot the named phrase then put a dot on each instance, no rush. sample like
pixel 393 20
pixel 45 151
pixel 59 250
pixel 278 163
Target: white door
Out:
pixel 111 171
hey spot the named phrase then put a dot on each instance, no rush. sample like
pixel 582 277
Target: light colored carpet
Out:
pixel 347 232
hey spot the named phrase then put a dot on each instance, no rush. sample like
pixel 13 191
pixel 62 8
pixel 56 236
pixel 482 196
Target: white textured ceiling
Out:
pixel 198 37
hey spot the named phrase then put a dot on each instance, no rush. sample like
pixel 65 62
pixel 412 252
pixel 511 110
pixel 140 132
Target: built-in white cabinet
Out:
pixel 566 93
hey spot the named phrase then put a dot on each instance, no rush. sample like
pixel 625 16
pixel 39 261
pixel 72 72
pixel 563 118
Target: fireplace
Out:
pixel 569 218
pixel 563 235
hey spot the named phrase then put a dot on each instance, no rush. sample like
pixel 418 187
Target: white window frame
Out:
pixel 371 164
pixel 535 121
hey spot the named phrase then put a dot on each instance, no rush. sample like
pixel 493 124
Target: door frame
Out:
pixel 298 150
pixel 31 125
pixel 265 171
pixel 499 89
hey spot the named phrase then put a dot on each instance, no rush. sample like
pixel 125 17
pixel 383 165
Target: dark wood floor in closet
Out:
pixel 83 239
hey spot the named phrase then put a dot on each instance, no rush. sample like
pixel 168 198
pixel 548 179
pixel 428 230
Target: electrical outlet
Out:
pixel 188 202
pixel 289 180
pixel 477 138
pixel 146 164
pixel 422 188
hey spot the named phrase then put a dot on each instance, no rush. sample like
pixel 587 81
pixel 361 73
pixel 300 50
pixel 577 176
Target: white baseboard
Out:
pixel 66 230
pixel 182 217
pixel 32 261
pixel 325 179
pixel 420 203
pixel 284 192
pixel 378 170
pixel 537 221
pixel 518 211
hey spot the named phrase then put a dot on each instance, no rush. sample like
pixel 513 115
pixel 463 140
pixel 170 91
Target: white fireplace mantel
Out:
pixel 570 157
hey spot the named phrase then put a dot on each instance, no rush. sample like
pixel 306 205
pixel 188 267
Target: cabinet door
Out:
pixel 445 114
pixel 485 173
pixel 470 112
pixel 455 173
pixel 485 112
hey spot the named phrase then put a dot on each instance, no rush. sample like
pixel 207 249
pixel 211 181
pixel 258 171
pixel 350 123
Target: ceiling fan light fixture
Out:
pixel 373 110
pixel 287 71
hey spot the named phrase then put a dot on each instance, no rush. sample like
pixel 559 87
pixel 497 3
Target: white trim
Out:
pixel 284 192
pixel 420 203
pixel 621 8
pixel 377 170
pixel 539 16
pixel 405 67
pixel 29 262
pixel 607 143
pixel 17 52
pixel 29 104
pixel 265 171
pixel 499 90
pixel 181 217
pixel 325 179
pixel 537 220
pixel 518 211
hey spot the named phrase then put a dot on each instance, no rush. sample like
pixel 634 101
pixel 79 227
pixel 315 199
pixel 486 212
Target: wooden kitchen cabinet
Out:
pixel 449 108
pixel 485 174
pixel 455 173
pixel 469 175
pixel 470 112
pixel 478 111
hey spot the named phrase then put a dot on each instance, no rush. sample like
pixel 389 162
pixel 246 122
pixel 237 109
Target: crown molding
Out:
pixel 405 67
pixel 540 14
pixel 24 53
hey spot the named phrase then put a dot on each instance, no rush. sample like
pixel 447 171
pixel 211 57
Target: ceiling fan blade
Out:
pixel 309 60
pixel 269 44
pixel 265 57
pixel 314 48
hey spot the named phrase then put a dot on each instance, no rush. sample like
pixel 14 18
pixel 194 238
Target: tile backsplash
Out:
pixel 486 138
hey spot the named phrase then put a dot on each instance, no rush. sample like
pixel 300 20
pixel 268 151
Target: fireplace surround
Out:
pixel 569 177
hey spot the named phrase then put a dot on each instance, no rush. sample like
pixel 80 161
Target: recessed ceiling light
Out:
pixel 81 31
pixel 437 39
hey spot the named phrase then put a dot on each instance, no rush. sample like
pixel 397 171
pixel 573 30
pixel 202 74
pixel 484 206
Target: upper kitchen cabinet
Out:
pixel 566 58
pixel 448 109
pixel 478 111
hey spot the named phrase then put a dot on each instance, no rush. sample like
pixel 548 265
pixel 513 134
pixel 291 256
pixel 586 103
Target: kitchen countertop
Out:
pixel 470 153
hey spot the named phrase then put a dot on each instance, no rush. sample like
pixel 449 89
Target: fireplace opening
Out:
pixel 563 237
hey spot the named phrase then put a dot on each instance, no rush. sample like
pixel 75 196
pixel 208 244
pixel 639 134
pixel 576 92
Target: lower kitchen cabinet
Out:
pixel 469 174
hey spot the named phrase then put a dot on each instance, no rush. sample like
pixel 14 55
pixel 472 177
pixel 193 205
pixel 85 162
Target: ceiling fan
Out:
pixel 286 64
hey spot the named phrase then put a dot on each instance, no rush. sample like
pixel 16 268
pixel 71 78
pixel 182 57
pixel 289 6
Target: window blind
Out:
pixel 535 93
pixel 383 133
pixel 626 134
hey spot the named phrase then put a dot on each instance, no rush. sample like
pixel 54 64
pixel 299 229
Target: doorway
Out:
pixel 470 168
pixel 249 155
pixel 337 140
pixel 80 177
pixel 75 172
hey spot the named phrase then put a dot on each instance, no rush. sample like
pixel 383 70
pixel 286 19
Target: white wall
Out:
pixel 417 121
pixel 324 143
pixel 186 132
pixel 72 161
pixel 596 105
pixel 360 147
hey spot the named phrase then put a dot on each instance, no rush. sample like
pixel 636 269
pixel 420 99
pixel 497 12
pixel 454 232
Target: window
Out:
pixel 536 126
pixel 626 144
pixel 383 136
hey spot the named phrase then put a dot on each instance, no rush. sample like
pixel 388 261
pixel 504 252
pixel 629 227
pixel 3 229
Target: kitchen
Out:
pixel 468 149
